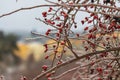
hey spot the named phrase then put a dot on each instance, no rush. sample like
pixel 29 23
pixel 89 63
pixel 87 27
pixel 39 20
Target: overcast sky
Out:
pixel 24 20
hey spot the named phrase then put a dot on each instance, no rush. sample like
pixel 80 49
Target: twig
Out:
pixel 28 8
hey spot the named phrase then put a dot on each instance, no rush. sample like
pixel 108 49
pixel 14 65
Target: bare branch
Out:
pixel 70 70
pixel 28 8
pixel 75 59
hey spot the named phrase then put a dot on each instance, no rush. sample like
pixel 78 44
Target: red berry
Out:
pixel 59 62
pixel 114 37
pixel 95 17
pixel 99 79
pixel 47 33
pixel 77 35
pixel 22 78
pixel 91 6
pixel 86 18
pixel 50 9
pixel 48 21
pixel 65 15
pixel 86 48
pixel 46 57
pixel 92 14
pixel 64 51
pixel 75 26
pixel 92 45
pixel 46 50
pixel 92 63
pixel 88 57
pixel 60 30
pixel 90 36
pixel 101 55
pixel 90 30
pixel 109 66
pixel 45 45
pixel 106 72
pixel 107 38
pixel 62 43
pixel 44 67
pixel 90 21
pixel 82 22
pixel 48 30
pixel 57 18
pixel 59 25
pixel 52 23
pixel 86 28
pixel 99 69
pixel 54 46
pixel 94 29
pixel 57 34
pixel 44 14
pixel 118 27
pixel 55 51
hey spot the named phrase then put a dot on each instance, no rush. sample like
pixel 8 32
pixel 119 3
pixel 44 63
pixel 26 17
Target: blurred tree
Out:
pixel 7 45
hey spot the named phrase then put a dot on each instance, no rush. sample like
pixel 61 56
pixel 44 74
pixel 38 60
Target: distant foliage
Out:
pixel 7 45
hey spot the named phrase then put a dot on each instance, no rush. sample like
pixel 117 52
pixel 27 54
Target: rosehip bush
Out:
pixel 98 54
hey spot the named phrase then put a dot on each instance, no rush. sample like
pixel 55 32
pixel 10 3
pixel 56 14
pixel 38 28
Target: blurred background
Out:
pixel 19 56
